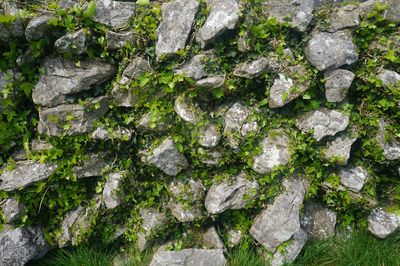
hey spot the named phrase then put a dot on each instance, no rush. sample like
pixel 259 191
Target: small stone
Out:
pixel 391 147
pixel 120 133
pixel 389 78
pixel 209 136
pixel 382 223
pixel 11 209
pixel 151 123
pixel 353 177
pixel 249 127
pixel 339 149
pixel 115 14
pixel 40 145
pixel 24 174
pixel 186 109
pixel 151 221
pixel 189 257
pixel 37 27
pixel 344 17
pixel 195 67
pixel 337 84
pixel 111 195
pixel 324 122
pixel 74 43
pixel 235 117
pixel 211 239
pixel 292 250
pixel 174 29
pixel 92 165
pixel 234 237
pixel 117 40
pixel 318 222
pixel 231 194
pixel 252 69
pixel 211 82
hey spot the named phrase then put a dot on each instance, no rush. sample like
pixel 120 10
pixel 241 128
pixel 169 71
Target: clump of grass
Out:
pixel 245 255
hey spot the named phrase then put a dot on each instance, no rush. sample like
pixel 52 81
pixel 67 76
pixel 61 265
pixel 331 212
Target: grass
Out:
pixel 357 249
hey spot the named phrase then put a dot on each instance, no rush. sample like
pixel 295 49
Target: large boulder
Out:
pixel 337 84
pixel 152 220
pixel 390 146
pixel 291 250
pixel 74 43
pixel 338 150
pixel 353 177
pixel 24 174
pixel 62 79
pixel 318 221
pixel 115 14
pixel 189 257
pixel 111 193
pixel 173 31
pixel 382 223
pixel 11 210
pixel 280 220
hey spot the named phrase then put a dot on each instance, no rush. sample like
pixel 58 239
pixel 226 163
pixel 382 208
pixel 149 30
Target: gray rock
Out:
pixel 211 82
pixel 20 245
pixel 209 136
pixel 115 14
pixel 74 43
pixel 24 174
pixel 11 209
pixel 318 222
pixel 117 40
pixel 235 117
pixel 63 79
pixel 344 17
pixel 37 27
pixel 389 78
pixel 292 250
pixel 234 237
pixel 252 69
pixel 276 151
pixel 353 177
pixel 297 13
pixel 231 194
pixel 149 122
pixel 189 257
pixel 195 67
pixel 391 147
pixel 151 221
pixel 92 165
pixel 337 84
pixel 40 145
pixel 13 29
pixel 324 122
pixel 392 13
pixel 224 16
pixel 382 223
pixel 187 109
pixel 338 150
pixel 331 50
pixel 71 119
pixel 211 239
pixel 111 196
pixel 120 133
pixel 173 31
pixel 280 220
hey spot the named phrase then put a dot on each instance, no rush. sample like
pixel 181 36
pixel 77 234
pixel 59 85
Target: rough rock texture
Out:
pixel 11 210
pixel 187 109
pixel 337 84
pixel 91 166
pixel 280 220
pixel 209 136
pixel 353 177
pixel 117 40
pixel 391 147
pixel 297 13
pixel 331 50
pixel 63 78
pixel 275 152
pixel 13 29
pixel 151 221
pixel 120 133
pixel 382 223
pixel 176 24
pixel 189 257
pixel 74 43
pixel 111 197
pixel 252 69
pixel 167 158
pixel 291 251
pixel 211 239
pixel 344 17
pixel 324 122
pixel 115 14
pixel 211 82
pixel 339 149
pixel 71 119
pixel 234 237
pixel 24 174
pixel 20 245
pixel 318 221
pixel 149 122
pixel 389 78
pixel 224 16
pixel 195 67
pixel 392 13
pixel 37 27
pixel 231 194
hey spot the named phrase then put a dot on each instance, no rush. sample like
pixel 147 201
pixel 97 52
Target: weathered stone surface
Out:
pixel 121 133
pixel 173 31
pixel 344 17
pixel 209 136
pixel 392 13
pixel 211 239
pixel 111 195
pixel 252 69
pixel 318 221
pixel 187 109
pixel 63 79
pixel 297 13
pixel 382 223
pixel 235 117
pixel 151 221
pixel 20 245
pixel 195 67
pixel 331 50
pixel 189 257
pixel 24 174
pixel 288 86
pixel 224 16
pixel 115 14
pixel 117 40
pixel 74 43
pixel 324 122
pixel 211 82
pixel 353 177
pixel 280 220
pixel 93 165
pixel 71 119
pixel 391 147
pixel 37 27
pixel 185 204
pixel 40 145
pixel 13 29
pixel 338 150
pixel 389 78
pixel 152 123
pixel 291 251
pixel 11 210
pixel 275 152
pixel 231 194
pixel 337 84
pixel 167 158
pixel 234 237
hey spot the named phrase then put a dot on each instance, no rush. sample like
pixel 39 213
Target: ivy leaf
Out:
pixel 391 56
pixel 89 12
pixel 142 2
pixel 7 18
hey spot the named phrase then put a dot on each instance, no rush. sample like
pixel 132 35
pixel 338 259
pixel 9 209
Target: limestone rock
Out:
pixel 117 40
pixel 291 251
pixel 211 239
pixel 234 237
pixel 275 152
pixel 115 14
pixel 353 177
pixel 209 136
pixel 195 67
pixel 344 17
pixel 92 165
pixel 211 82
pixel 189 257
pixel 339 149
pixel 37 27
pixel 167 158
pixel 391 147
pixel 324 122
pixel 252 69
pixel 392 13
pixel 224 16
pixel 280 220
pixel 382 223
pixel 151 221
pixel 389 78
pixel 111 195
pixel 231 194
pixel 120 133
pixel 331 50
pixel 63 79
pixel 337 84
pixel 187 109
pixel 74 43
pixel 24 174
pixel 173 31
pixel 235 117
pixel 318 221
pixel 11 210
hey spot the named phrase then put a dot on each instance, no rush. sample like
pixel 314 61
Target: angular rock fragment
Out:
pixel 211 239
pixel 211 82
pixel 111 197
pixel 235 117
pixel 318 221
pixel 173 31
pixel 252 69
pixel 292 250
pixel 275 152
pixel 37 27
pixel 280 220
pixel 11 210
pixel 391 146
pixel 24 174
pixel 121 133
pixel 115 14
pixel 117 40
pixel 151 221
pixel 92 165
pixel 40 145
pixel 331 50
pixel 337 84
pixel 344 17
pixel 209 136
pixel 339 149
pixel 324 122
pixel 189 257
pixel 231 194
pixel 187 109
pixel 389 78
pixel 353 177
pixel 382 223
pixel 234 237
pixel 195 67
pixel 74 43
pixel 63 79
